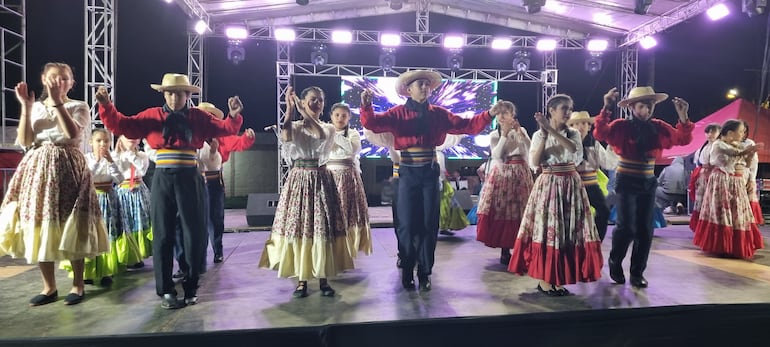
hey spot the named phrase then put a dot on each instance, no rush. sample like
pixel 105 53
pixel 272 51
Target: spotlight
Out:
pixel 387 59
pixel 455 61
pixel 319 56
pixel 593 64
pixel 533 6
pixel 521 62
pixel 302 2
pixel 396 5
pixel 642 6
pixel 754 7
pixel 648 42
pixel 235 52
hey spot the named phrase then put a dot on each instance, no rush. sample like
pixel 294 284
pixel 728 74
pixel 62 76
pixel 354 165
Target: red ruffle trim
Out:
pixel 497 233
pixel 557 266
pixel 694 217
pixel 724 240
pixel 756 209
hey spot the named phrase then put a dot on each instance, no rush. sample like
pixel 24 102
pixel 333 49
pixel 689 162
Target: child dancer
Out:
pixel 699 176
pixel 308 238
pixel 134 197
pixel 557 241
pixel 451 215
pixel 346 170
pixel 507 186
pixel 726 225
pixel 752 166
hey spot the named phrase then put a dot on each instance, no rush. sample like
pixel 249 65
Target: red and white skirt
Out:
pixel 502 202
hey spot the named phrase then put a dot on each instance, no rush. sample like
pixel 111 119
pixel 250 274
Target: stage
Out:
pixel 468 281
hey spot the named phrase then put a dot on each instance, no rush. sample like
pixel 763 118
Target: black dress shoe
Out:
pixel 407 279
pixel 218 259
pixel 616 272
pixel 301 290
pixel 447 233
pixel 425 285
pixel 327 290
pixel 74 299
pixel 192 300
pixel 106 281
pixel 549 292
pixel 639 281
pixel 42 299
pixel 170 302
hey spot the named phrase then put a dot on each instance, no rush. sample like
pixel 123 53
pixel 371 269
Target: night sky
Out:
pixel 697 60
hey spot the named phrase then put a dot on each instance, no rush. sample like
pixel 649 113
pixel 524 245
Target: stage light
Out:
pixel 502 43
pixel 390 40
pixel 546 45
pixel 201 27
pixel 597 45
pixel 453 42
pixel 533 6
pixel 342 36
pixel 754 7
pixel 593 64
pixel 602 18
pixel 648 42
pixel 718 11
pixel 642 6
pixel 732 93
pixel 236 33
pixel 302 2
pixel 555 7
pixel 283 34
pixel 396 5
pixel 387 59
pixel 169 1
pixel 455 60
pixel 236 54
pixel 319 56
pixel 521 62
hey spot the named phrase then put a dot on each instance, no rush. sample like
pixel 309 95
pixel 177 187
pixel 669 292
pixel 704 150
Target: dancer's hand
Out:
pixel 681 108
pixel 235 105
pixel 57 88
pixel 249 133
pixel 102 96
pixel 366 98
pixel 611 98
pixel 25 96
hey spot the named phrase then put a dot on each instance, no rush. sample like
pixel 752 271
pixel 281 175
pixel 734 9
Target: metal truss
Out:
pixel 422 20
pixel 194 9
pixel 629 64
pixel 308 69
pixel 549 78
pixel 195 65
pixel 284 70
pixel 100 41
pixel 415 39
pixel 13 47
pixel 677 15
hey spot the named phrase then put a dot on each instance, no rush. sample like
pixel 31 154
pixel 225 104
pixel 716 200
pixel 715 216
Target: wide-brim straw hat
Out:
pixel 580 116
pixel 175 81
pixel 406 78
pixel 642 93
pixel 210 108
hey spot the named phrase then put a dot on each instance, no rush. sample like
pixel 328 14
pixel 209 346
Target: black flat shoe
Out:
pixel 218 259
pixel 616 272
pixel 447 233
pixel 639 281
pixel 74 299
pixel 106 281
pixel 425 285
pixel 407 279
pixel 301 290
pixel 562 292
pixel 170 302
pixel 549 292
pixel 327 290
pixel 42 299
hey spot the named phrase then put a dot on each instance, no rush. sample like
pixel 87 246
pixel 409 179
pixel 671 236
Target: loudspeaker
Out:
pixel 463 198
pixel 260 209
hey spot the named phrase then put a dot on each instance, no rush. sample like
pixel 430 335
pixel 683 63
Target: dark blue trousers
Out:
pixel 179 250
pixel 216 220
pixel 634 221
pixel 418 215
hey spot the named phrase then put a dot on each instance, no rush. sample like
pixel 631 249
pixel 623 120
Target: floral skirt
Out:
pixel 308 238
pixel 701 179
pixel 502 202
pixel 50 211
pixel 355 210
pixel 726 225
pixel 756 208
pixel 557 241
pixel 135 216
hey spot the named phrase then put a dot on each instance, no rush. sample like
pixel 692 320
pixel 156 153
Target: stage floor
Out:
pixel 468 281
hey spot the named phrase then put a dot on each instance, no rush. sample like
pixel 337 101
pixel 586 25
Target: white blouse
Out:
pixel 139 159
pixel 306 146
pixel 102 170
pixel 753 162
pixel 46 128
pixel 598 157
pixel 504 147
pixel 384 140
pixel 450 141
pixel 725 157
pixel 347 147
pixel 554 153
pixel 208 160
pixel 704 157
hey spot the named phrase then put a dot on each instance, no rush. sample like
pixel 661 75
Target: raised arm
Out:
pixel 135 127
pixel 376 122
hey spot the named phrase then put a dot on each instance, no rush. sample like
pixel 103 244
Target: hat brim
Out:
pixel 215 111
pixel 410 76
pixel 587 120
pixel 657 97
pixel 162 88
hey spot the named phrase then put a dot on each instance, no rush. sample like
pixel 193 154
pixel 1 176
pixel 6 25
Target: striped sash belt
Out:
pixel 418 156
pixel 175 158
pixel 103 187
pixel 645 169
pixel 589 177
pixel 559 169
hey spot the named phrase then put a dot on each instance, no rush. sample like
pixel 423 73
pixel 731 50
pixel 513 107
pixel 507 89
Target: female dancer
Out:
pixel 700 175
pixel 134 197
pixel 752 165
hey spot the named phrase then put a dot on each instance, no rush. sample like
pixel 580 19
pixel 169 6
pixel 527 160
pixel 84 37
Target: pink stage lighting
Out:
pixel 342 36
pixel 236 33
pixel 597 45
pixel 284 34
pixel 390 40
pixel 453 42
pixel 648 42
pixel 546 45
pixel 718 11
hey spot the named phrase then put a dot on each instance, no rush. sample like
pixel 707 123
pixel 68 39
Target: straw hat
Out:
pixel 175 81
pixel 408 77
pixel 210 108
pixel 581 116
pixel 642 93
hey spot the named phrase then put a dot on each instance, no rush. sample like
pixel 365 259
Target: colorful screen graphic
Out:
pixel 462 97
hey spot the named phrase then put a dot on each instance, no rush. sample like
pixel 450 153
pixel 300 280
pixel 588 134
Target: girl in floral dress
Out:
pixel 752 166
pixel 700 175
pixel 557 242
pixel 134 198
pixel 507 185
pixel 308 238
pixel 346 170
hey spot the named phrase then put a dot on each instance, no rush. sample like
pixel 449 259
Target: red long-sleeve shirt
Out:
pixel 405 126
pixel 149 124
pixel 233 143
pixel 619 135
